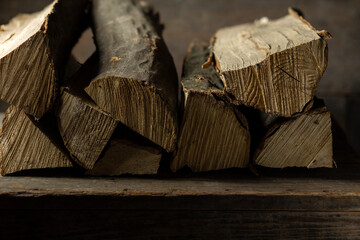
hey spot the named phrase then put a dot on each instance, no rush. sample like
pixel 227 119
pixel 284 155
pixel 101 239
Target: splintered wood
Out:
pixel 28 144
pixel 137 81
pixel 33 51
pixel 274 66
pixel 214 135
pixel 305 141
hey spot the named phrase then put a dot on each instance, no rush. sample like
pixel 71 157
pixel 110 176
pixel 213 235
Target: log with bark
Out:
pixel 84 127
pixel 128 153
pixel 137 81
pixel 274 66
pixel 29 144
pixel 214 134
pixel 33 51
pixel 304 141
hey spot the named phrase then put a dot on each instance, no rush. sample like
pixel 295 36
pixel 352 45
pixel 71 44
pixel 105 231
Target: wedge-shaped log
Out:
pixel 137 82
pixel 274 66
pixel 29 144
pixel 214 134
pixel 84 127
pixel 305 141
pixel 128 153
pixel 33 52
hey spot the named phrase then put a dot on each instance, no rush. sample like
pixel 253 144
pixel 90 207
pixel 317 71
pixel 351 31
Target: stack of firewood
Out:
pixel 248 96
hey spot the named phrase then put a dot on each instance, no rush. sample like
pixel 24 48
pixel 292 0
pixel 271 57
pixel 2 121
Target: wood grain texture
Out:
pixel 128 153
pixel 85 129
pixel 305 141
pixel 104 208
pixel 28 144
pixel 33 51
pixel 137 82
pixel 274 66
pixel 214 135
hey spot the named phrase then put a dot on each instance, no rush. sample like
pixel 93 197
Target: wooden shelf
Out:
pixel 229 204
pixel 212 206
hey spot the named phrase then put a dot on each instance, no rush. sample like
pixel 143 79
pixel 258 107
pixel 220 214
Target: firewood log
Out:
pixel 137 81
pixel 33 51
pixel 29 144
pixel 214 134
pixel 304 141
pixel 274 66
pixel 128 153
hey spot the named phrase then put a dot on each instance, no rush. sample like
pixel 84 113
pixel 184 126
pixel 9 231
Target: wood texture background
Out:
pixel 188 19
pixel 196 208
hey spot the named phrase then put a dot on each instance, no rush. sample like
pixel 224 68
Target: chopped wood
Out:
pixel 128 153
pixel 305 141
pixel 33 51
pixel 85 129
pixel 29 144
pixel 214 134
pixel 137 81
pixel 274 66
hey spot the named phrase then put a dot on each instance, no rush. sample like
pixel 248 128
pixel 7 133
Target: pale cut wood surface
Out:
pixel 127 154
pixel 274 66
pixel 85 129
pixel 214 135
pixel 137 82
pixel 305 141
pixel 28 144
pixel 33 51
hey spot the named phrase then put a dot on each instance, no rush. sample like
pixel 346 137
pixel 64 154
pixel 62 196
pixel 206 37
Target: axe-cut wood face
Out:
pixel 274 66
pixel 29 144
pixel 137 82
pixel 305 141
pixel 214 134
pixel 33 51
pixel 85 129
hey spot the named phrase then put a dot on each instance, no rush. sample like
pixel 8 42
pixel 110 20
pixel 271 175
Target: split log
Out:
pixel 84 127
pixel 29 144
pixel 305 141
pixel 214 134
pixel 274 66
pixel 128 153
pixel 33 51
pixel 137 82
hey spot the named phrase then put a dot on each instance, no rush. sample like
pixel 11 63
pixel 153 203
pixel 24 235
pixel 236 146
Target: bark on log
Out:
pixel 137 82
pixel 214 134
pixel 128 153
pixel 84 127
pixel 29 144
pixel 305 141
pixel 33 51
pixel 274 66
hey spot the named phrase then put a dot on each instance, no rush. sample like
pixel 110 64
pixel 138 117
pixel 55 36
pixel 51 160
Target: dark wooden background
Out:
pixel 188 19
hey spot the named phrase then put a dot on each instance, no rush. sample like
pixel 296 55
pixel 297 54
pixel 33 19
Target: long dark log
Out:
pixel 137 82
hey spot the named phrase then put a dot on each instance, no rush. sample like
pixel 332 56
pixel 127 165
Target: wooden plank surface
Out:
pixel 299 193
pixel 179 208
